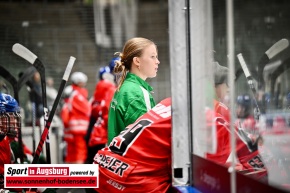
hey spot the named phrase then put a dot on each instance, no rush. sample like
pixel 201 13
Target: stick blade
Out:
pixel 23 52
pixel 277 48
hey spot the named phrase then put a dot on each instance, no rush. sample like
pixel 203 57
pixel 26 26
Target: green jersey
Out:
pixel 132 100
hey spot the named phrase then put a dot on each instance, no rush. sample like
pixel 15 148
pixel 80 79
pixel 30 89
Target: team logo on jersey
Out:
pixel 114 103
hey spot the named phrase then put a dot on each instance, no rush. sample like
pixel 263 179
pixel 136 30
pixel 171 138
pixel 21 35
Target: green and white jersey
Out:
pixel 132 100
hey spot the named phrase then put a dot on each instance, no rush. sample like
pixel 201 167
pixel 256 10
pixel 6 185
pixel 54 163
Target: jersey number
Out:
pixel 121 143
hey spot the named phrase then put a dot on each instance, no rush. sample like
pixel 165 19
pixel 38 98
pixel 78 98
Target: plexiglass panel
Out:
pixel 261 90
pixel 237 115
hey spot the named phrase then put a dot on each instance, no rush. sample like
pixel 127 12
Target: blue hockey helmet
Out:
pixel 245 103
pixel 9 103
pixel 113 63
pixel 103 70
pixel 244 100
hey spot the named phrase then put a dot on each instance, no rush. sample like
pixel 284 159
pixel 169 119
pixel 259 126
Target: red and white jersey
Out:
pixel 79 109
pixel 139 159
pixel 103 95
pixel 64 113
pixel 104 91
pixel 248 124
pixel 223 150
pixel 221 109
pixel 5 154
pixel 246 150
pixel 5 158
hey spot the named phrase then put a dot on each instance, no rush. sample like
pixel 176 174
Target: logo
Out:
pixel 50 176
pixel 114 103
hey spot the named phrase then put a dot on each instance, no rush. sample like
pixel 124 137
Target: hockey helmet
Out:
pixel 103 70
pixel 79 77
pixel 244 100
pixel 113 63
pixel 10 118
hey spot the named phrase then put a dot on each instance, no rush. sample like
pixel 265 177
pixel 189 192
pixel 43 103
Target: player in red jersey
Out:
pixel 75 115
pixel 139 158
pixel 247 155
pixel 97 133
pixel 243 111
pixel 10 120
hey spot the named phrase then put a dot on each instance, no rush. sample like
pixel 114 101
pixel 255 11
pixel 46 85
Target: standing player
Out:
pixel 97 133
pixel 76 115
pixel 133 98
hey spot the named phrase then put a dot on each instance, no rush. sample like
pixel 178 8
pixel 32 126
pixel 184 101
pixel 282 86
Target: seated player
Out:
pixel 247 156
pixel 10 120
pixel 139 158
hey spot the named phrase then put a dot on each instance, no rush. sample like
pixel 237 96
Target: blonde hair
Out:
pixel 133 48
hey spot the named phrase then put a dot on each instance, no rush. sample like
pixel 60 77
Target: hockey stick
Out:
pixel 267 56
pixel 33 59
pixel 14 83
pixel 240 71
pixel 250 82
pixel 52 112
pixel 279 70
pixel 25 76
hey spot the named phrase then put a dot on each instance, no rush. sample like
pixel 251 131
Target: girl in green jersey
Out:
pixel 133 98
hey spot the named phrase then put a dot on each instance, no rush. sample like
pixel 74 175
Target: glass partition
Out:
pixel 238 116
pixel 257 113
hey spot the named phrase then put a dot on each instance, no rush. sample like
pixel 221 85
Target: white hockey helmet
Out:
pixel 79 77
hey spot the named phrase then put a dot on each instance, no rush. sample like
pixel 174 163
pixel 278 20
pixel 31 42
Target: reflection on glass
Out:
pixel 275 132
pixel 247 158
pixel 262 101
